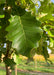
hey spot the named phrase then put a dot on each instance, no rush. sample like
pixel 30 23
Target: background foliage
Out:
pixel 26 25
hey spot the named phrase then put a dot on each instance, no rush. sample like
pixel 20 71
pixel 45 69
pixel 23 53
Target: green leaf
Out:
pixel 24 32
pixel 42 49
pixel 17 59
pixel 9 62
pixel 46 17
pixel 49 29
pixel 2 16
pixel 45 52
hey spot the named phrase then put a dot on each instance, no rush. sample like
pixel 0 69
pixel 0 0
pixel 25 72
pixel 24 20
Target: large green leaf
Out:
pixel 24 32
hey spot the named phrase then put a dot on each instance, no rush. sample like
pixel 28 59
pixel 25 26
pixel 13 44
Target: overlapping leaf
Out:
pixel 50 30
pixel 24 32
pixel 46 17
